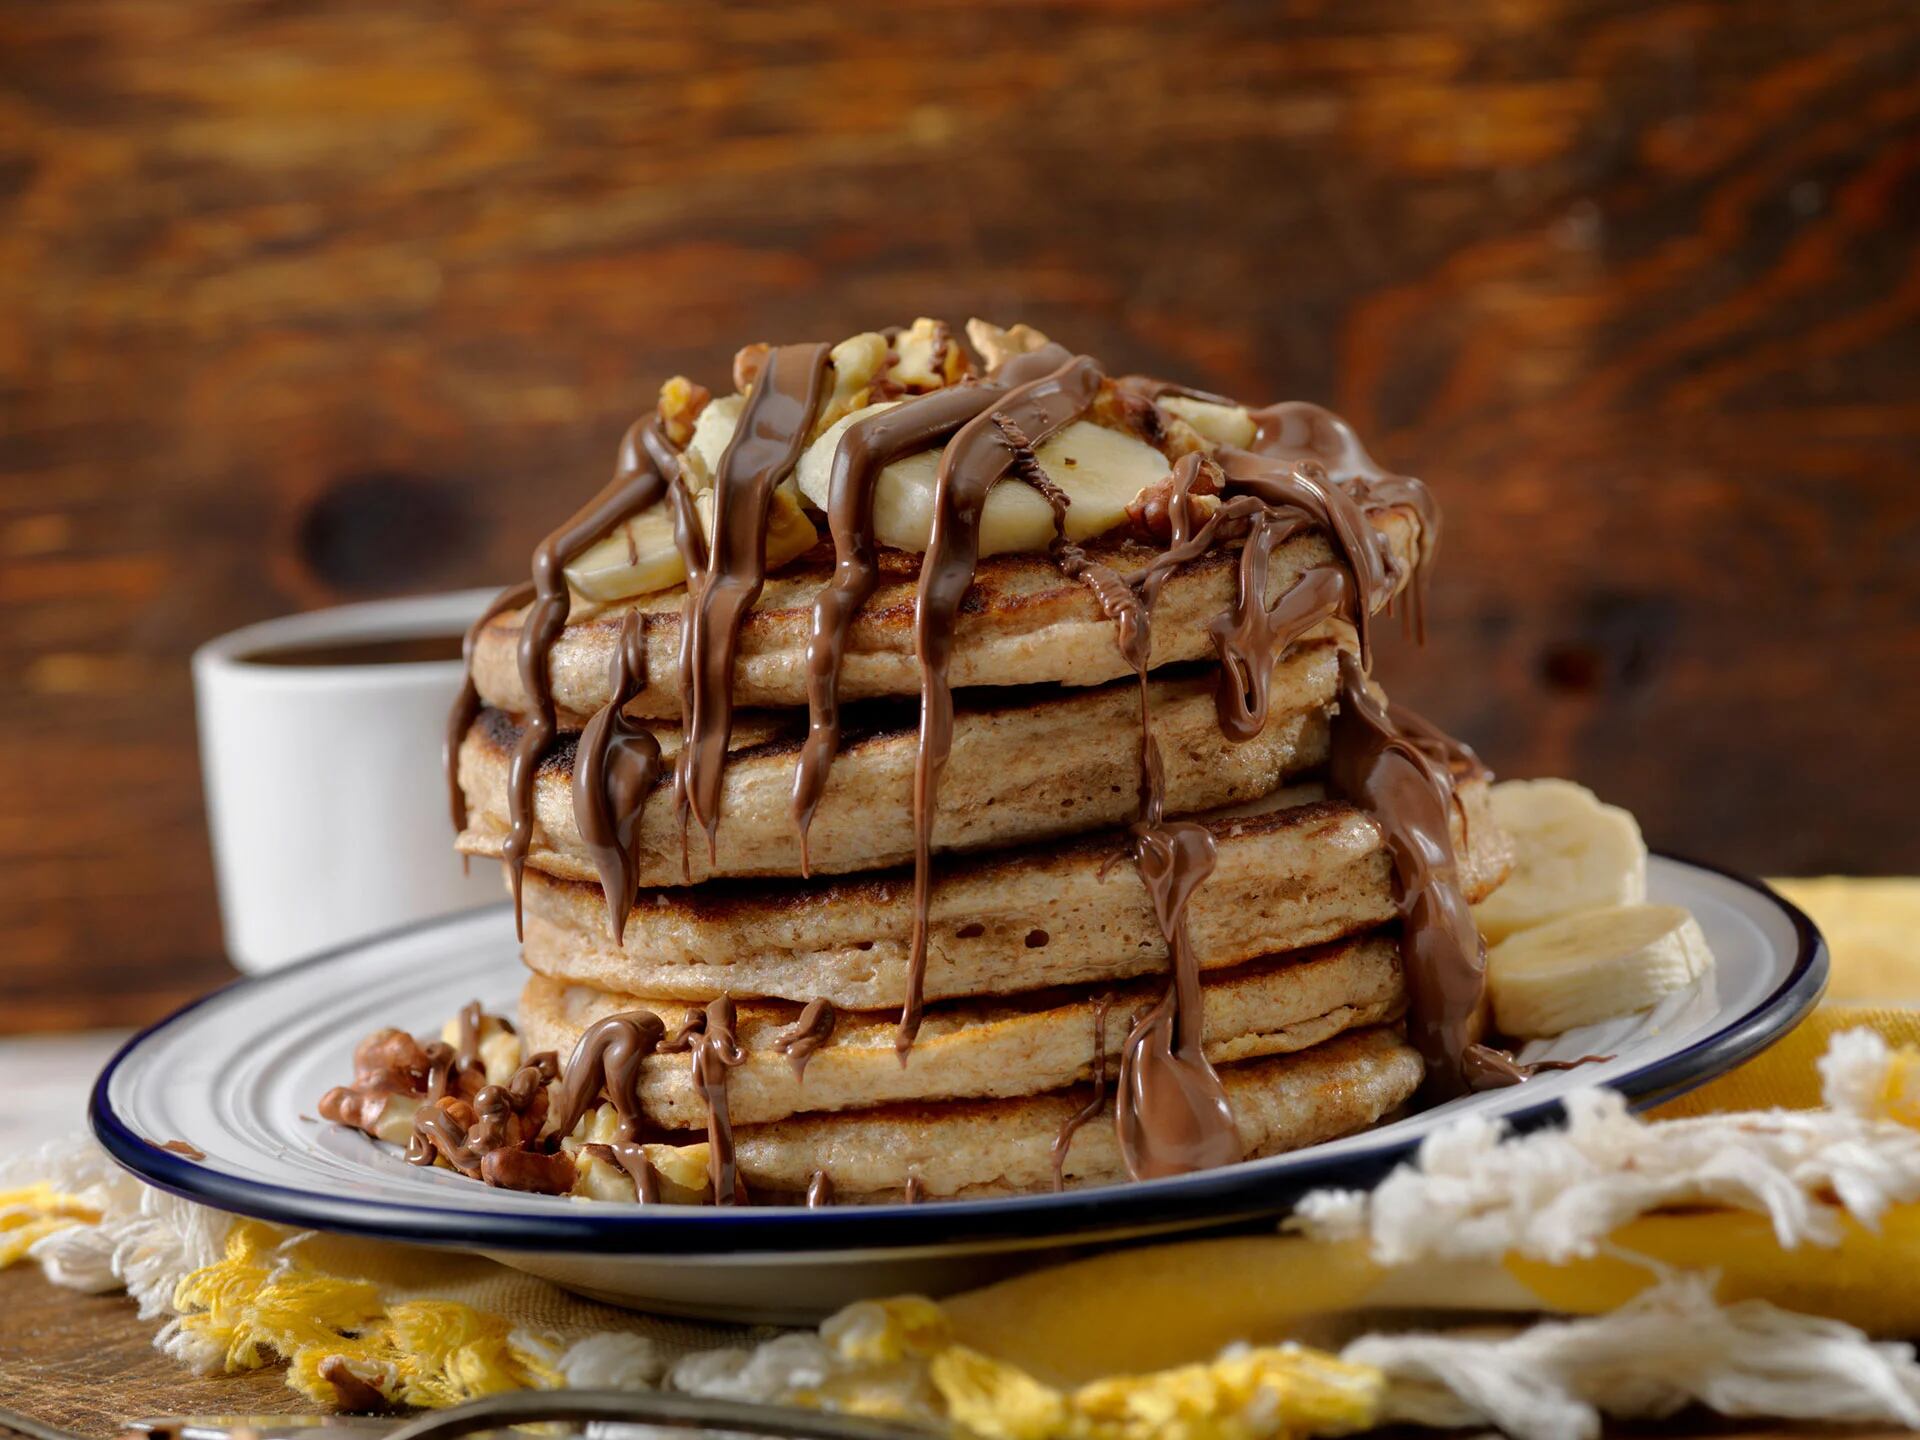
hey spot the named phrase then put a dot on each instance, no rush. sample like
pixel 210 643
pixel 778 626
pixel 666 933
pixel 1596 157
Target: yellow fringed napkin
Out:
pixel 1203 1345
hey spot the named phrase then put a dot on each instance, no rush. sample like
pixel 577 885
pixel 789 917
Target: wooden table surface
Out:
pixel 308 303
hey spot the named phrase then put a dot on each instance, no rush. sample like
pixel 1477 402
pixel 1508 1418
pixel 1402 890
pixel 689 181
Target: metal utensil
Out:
pixel 521 1407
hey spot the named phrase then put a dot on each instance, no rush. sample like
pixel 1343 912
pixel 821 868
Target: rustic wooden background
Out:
pixel 317 301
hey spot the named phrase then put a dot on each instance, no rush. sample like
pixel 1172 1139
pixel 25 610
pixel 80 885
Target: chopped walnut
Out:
pixel 681 401
pixel 748 362
pixel 1128 411
pixel 529 1170
pixel 390 1057
pixel 997 346
pixel 926 357
pixel 459 1110
pixel 1151 513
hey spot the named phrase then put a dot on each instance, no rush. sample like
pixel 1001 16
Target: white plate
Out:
pixel 238 1075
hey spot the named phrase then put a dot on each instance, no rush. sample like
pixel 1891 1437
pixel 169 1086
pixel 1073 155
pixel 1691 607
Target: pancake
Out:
pixel 967 1148
pixel 1073 914
pixel 995 1048
pixel 1022 769
pixel 1022 623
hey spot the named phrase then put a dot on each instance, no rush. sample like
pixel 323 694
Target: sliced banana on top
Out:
pixel 1593 965
pixel 712 433
pixel 641 555
pixel 1571 852
pixel 1101 471
pixel 637 557
pixel 1223 424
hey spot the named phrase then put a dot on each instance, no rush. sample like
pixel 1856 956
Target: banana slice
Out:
pixel 857 363
pixel 1571 853
pixel 1222 424
pixel 712 433
pixel 1593 966
pixel 641 556
pixel 636 558
pixel 1101 470
pixel 789 531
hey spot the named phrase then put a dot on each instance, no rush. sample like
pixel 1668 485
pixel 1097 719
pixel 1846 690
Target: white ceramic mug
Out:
pixel 326 796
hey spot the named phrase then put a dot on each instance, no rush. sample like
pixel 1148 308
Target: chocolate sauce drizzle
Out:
pixel 640 480
pixel 867 447
pixel 609 1059
pixel 1304 470
pixel 632 1159
pixel 615 769
pixel 978 457
pixel 807 1034
pixel 1410 797
pixel 819 1190
pixel 765 447
pixel 1071 1126
pixel 468 1026
pixel 466 707
pixel 716 1050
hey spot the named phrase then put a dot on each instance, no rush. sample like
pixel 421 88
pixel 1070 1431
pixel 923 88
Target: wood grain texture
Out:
pixel 311 302
pixel 85 1363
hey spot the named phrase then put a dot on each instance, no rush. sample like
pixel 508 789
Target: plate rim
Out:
pixel 1204 1200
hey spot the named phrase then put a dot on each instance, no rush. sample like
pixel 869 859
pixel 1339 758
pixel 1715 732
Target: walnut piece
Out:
pixel 748 362
pixel 925 357
pixel 680 404
pixel 997 346
pixel 1151 513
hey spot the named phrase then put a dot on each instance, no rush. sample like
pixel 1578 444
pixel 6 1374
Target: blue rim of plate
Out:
pixel 1209 1199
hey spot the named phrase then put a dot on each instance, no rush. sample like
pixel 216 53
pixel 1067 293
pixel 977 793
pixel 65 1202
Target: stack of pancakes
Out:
pixel 1043 944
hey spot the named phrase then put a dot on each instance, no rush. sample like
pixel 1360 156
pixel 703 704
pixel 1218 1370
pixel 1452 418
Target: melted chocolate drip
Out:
pixel 439 1133
pixel 1063 1141
pixel 819 1190
pixel 866 447
pixel 610 1058
pixel 467 1046
pixel 1298 431
pixel 1489 1068
pixel 978 458
pixel 639 481
pixel 765 447
pixel 448 1074
pixel 632 1159
pixel 1171 1113
pixel 615 768
pixel 1440 747
pixel 466 706
pixel 1411 798
pixel 1250 637
pixel 916 1190
pixel 1301 495
pixel 1154 389
pixel 716 1050
pixel 806 1035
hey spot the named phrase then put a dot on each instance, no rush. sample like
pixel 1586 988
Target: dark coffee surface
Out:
pixel 389 650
